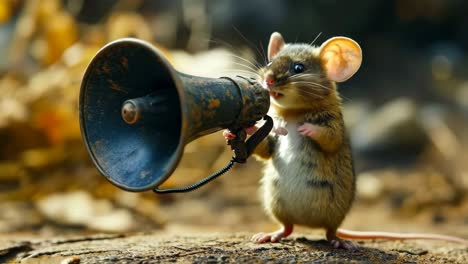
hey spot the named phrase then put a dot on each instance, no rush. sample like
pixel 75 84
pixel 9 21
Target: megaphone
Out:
pixel 137 113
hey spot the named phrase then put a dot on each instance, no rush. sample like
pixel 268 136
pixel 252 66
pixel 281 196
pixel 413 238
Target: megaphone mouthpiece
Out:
pixel 149 107
pixel 130 112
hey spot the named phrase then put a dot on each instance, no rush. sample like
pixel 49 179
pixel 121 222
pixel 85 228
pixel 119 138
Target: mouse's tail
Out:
pixel 350 234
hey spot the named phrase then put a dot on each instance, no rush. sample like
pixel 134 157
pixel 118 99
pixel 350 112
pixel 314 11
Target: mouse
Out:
pixel 309 178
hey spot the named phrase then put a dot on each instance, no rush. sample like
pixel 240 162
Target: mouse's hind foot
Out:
pixel 337 242
pixel 342 243
pixel 276 236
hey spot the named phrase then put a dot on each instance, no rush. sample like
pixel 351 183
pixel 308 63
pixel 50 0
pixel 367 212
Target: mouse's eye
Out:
pixel 298 67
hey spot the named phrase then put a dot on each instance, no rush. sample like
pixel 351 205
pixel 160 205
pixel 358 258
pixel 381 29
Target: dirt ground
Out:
pixel 219 248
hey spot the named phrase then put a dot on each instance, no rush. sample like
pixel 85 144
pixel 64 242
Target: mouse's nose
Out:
pixel 269 80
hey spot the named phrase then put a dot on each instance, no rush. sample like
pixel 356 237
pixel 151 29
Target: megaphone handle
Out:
pixel 238 145
pixel 259 136
pixel 242 150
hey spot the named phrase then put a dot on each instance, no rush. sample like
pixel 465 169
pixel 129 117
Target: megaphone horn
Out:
pixel 137 113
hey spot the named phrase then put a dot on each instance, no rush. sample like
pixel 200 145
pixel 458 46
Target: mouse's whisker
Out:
pixel 231 48
pixel 240 72
pixel 306 86
pixel 310 73
pixel 307 90
pixel 310 90
pixel 304 75
pixel 220 42
pixel 313 94
pixel 318 35
pixel 254 64
pixel 245 66
pixel 310 93
pixel 264 55
pixel 315 84
pixel 237 71
pixel 311 84
pixel 249 43
pixel 315 87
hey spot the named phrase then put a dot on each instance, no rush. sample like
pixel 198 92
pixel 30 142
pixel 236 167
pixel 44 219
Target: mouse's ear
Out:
pixel 275 45
pixel 341 57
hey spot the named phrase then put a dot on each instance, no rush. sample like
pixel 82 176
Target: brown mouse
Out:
pixel 309 178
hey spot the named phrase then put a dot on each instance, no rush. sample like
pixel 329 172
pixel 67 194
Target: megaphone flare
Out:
pixel 137 113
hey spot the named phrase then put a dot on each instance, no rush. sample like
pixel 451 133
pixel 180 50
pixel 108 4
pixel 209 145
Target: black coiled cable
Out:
pixel 200 183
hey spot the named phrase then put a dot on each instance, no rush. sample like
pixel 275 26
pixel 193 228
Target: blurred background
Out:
pixel 406 111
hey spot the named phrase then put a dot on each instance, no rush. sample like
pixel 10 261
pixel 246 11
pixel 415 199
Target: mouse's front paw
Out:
pixel 309 130
pixel 282 131
pixel 250 130
pixel 227 134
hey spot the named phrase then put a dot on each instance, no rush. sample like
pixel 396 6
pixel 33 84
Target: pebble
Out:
pixel 80 208
pixel 71 260
pixel 369 186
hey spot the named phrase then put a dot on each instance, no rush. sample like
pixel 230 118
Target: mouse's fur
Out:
pixel 308 180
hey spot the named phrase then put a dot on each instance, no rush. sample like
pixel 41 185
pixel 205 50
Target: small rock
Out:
pixel 114 221
pixel 71 260
pixel 80 208
pixel 417 252
pixel 369 187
